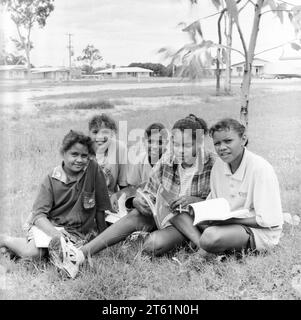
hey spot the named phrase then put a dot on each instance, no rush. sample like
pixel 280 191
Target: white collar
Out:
pixel 240 172
pixel 59 174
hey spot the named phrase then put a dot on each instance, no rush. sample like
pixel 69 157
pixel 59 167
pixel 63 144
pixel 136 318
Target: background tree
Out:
pixel 196 56
pixel 90 55
pixel 25 14
pixel 11 59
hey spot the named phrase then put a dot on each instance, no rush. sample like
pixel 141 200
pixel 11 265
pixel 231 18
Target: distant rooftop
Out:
pixel 13 67
pixel 124 70
pixel 33 70
pixel 48 69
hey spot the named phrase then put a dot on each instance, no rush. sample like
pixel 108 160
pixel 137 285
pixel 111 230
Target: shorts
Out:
pixel 42 239
pixel 251 245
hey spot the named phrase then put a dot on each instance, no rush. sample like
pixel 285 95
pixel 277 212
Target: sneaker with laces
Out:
pixel 65 256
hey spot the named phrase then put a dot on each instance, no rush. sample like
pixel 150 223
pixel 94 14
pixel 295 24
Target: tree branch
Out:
pixel 227 47
pixel 280 10
pixel 249 1
pixel 242 39
pixel 281 45
pixel 290 4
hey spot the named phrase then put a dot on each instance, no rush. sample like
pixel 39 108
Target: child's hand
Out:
pixel 114 202
pixel 184 201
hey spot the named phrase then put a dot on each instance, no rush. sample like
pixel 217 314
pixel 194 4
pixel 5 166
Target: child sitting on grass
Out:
pixel 111 154
pixel 155 144
pixel 70 203
pixel 249 183
pixel 185 172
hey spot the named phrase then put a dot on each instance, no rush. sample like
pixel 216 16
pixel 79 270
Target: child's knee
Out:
pixel 153 245
pixel 210 239
pixel 139 221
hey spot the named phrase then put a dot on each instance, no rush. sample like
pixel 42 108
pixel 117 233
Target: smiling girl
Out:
pixel 185 172
pixel 71 201
pixel 248 182
pixel 111 154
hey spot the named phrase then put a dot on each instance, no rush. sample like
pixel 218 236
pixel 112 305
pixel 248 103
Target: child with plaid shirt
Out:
pixel 184 171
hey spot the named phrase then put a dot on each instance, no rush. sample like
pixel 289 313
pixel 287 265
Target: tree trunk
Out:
pixel 27 48
pixel 227 85
pixel 27 51
pixel 218 75
pixel 246 82
pixel 218 56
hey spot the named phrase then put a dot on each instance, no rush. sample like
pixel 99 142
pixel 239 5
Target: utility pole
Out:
pixel 70 49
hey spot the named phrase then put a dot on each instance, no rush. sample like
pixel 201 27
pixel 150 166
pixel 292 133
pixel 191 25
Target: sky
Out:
pixel 128 31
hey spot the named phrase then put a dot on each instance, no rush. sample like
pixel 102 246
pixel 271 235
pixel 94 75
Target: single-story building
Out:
pixel 19 72
pixel 258 67
pixel 284 67
pixel 125 72
pixel 50 73
pixel 13 72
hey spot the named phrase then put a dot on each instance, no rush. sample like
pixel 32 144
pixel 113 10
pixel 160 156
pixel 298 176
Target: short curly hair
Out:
pixel 227 124
pixel 157 127
pixel 97 121
pixel 191 122
pixel 73 137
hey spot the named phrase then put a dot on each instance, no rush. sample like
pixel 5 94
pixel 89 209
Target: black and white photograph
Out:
pixel 150 151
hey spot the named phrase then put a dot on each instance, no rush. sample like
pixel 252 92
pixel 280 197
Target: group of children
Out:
pixel 73 199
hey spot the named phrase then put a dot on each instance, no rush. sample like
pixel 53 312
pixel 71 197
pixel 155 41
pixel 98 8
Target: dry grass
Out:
pixel 30 149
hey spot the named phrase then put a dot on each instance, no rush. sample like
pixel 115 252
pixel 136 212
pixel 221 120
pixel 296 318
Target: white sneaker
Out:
pixel 65 256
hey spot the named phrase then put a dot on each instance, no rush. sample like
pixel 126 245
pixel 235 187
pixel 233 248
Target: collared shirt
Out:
pixel 166 172
pixel 72 204
pixel 253 187
pixel 113 163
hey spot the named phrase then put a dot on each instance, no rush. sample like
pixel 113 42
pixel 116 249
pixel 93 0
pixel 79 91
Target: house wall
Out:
pixel 124 75
pixel 237 71
pixel 12 74
pixel 51 75
pixel 37 76
pixel 284 67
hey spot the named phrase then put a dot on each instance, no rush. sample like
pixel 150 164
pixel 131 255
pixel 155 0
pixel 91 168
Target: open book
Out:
pixel 160 210
pixel 214 209
pixel 121 204
pixel 112 217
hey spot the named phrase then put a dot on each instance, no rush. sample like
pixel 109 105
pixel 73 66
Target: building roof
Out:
pixel 290 58
pixel 124 70
pixel 48 69
pixel 12 67
pixel 33 70
pixel 256 62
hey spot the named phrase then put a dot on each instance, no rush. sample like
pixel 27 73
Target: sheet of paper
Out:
pixel 41 238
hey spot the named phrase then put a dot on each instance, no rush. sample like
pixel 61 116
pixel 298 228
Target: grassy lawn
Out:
pixel 30 144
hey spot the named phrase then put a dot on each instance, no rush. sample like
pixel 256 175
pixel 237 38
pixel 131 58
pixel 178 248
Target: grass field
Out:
pixel 30 143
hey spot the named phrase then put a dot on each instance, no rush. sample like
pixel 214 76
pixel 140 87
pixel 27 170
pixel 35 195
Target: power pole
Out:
pixel 70 49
